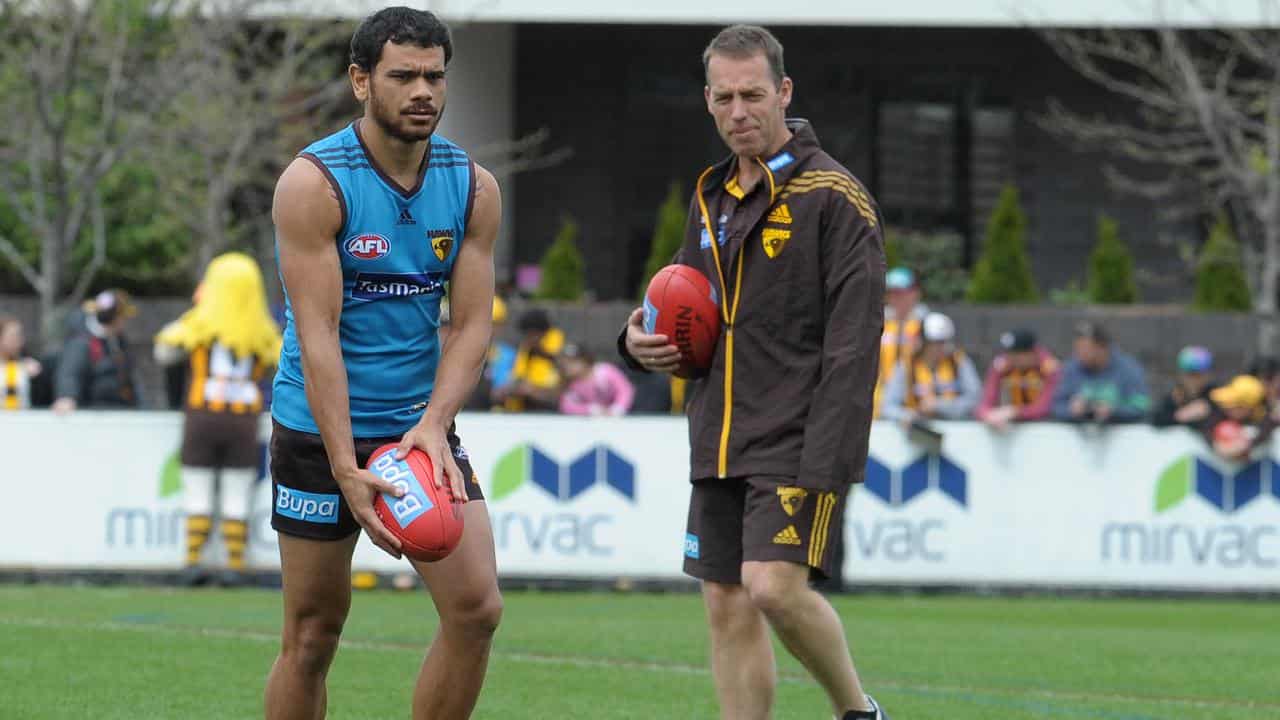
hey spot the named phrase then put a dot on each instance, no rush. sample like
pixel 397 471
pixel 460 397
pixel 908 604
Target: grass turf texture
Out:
pixel 106 653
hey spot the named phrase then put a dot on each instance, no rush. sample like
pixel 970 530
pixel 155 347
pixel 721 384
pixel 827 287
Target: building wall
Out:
pixel 628 100
pixel 481 109
pixel 923 13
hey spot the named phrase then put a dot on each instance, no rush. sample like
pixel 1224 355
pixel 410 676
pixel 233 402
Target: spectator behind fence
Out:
pixel 1020 382
pixel 903 315
pixel 535 381
pixel 937 382
pixel 1100 383
pixel 592 388
pixel 1267 369
pixel 502 355
pixel 16 370
pixel 95 368
pixel 1188 403
pixel 1239 421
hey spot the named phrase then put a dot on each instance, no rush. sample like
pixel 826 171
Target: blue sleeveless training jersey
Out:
pixel 397 249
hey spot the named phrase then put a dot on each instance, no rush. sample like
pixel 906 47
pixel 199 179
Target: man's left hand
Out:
pixel 929 405
pixel 432 437
pixel 1102 412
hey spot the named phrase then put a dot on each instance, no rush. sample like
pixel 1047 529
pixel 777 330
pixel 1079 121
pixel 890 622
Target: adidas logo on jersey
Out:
pixel 787 536
pixel 406 218
pixel 781 215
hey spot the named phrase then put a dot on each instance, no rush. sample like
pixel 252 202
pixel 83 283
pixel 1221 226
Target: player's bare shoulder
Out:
pixel 486 209
pixel 306 200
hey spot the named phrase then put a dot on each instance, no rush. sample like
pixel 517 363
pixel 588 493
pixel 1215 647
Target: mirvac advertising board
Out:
pixel 1047 505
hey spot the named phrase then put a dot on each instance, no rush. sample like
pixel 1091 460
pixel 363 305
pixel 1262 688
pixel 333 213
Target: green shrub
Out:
pixel 936 258
pixel 562 266
pixel 1220 281
pixel 668 235
pixel 1111 280
pixel 1003 273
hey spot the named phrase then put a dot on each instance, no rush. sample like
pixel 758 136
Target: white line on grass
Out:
pixel 624 664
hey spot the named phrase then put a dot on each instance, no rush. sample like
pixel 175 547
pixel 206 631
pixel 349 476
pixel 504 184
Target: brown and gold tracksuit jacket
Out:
pixel 798 265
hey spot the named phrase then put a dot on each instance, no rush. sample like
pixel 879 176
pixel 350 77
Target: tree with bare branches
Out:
pixel 1204 111
pixel 206 102
pixel 253 90
pixel 258 90
pixel 78 81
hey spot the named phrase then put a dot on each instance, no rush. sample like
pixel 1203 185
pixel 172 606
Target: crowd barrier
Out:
pixel 1044 506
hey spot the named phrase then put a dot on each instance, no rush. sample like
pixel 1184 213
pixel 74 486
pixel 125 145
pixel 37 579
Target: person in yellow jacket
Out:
pixel 939 382
pixel 534 384
pixel 230 342
pixel 903 316
pixel 16 369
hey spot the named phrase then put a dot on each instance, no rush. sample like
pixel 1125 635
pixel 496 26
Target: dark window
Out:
pixel 992 161
pixel 940 165
pixel 916 160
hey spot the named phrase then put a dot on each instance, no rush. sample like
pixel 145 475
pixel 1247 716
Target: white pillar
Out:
pixel 481 108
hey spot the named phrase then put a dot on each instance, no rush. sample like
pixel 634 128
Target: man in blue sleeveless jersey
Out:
pixel 370 224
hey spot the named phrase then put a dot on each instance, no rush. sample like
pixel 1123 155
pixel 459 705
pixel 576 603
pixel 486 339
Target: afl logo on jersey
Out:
pixel 369 246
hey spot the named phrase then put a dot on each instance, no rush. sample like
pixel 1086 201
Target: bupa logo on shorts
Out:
pixel 415 500
pixel 368 246
pixel 376 286
pixel 691 550
pixel 307 507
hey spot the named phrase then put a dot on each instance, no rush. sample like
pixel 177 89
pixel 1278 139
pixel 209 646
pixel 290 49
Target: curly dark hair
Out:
pixel 402 26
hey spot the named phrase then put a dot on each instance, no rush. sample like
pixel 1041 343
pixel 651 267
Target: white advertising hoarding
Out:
pixel 1047 505
pixel 1064 506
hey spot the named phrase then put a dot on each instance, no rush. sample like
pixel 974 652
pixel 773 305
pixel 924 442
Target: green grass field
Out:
pixel 82 652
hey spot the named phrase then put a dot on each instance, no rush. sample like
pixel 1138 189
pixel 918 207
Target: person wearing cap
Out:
pixel 903 316
pixel 592 388
pixel 96 368
pixel 1239 421
pixel 1188 403
pixel 938 382
pixel 1020 382
pixel 535 380
pixel 1267 369
pixel 1100 383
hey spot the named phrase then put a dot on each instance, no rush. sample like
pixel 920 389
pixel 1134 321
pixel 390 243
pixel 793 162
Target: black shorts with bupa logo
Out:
pixel 759 518
pixel 305 499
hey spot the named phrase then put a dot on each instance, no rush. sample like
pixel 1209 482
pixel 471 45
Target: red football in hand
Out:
pixel 681 305
pixel 426 520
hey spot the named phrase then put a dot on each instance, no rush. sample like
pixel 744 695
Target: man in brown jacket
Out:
pixel 779 428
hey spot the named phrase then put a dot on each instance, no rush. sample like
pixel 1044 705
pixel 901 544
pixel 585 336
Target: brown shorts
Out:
pixel 312 505
pixel 221 440
pixel 760 517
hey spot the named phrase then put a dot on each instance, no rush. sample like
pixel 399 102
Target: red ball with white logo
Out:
pixel 681 304
pixel 426 518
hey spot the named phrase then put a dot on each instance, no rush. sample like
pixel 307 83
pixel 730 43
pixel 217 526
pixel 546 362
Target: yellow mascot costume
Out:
pixel 230 342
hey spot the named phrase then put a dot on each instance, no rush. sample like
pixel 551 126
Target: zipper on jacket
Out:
pixel 727 315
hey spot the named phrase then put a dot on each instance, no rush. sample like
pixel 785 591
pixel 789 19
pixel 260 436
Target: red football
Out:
pixel 681 304
pixel 426 520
